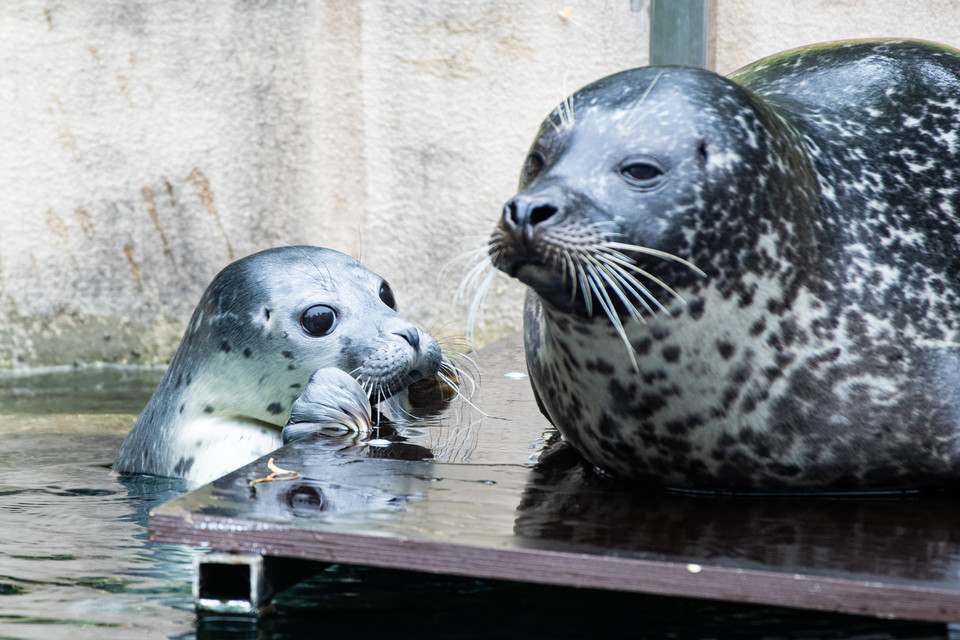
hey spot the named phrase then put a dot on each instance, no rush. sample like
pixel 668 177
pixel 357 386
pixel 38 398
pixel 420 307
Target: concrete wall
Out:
pixel 144 144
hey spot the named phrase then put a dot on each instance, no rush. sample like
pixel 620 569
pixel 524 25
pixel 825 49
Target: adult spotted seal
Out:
pixel 260 343
pixel 751 283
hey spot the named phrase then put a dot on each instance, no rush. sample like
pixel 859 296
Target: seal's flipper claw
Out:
pixel 332 400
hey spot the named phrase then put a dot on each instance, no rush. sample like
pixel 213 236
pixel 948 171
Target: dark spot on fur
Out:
pixel 275 408
pixel 671 353
pixel 247 353
pixel 649 404
pixel 295 385
pixel 287 354
pixel 726 349
pixel 290 367
pixel 695 308
pixel 660 333
pixel 783 359
pixel 650 377
pixel 740 374
pixel 208 409
pixel 608 427
pixel 772 373
pixel 600 366
pixel 642 347
pixel 225 346
pixel 788 330
pixel 189 379
pixel 788 470
pixel 183 466
pixel 182 407
pixel 758 327
pixel 776 307
pixel 729 395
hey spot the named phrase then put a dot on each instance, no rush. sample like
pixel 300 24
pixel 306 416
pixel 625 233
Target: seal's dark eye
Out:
pixel 642 174
pixel 318 320
pixel 532 167
pixel 386 295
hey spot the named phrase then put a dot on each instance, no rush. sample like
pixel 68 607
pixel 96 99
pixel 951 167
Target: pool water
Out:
pixel 75 562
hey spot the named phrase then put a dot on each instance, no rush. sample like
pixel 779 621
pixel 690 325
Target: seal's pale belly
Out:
pixel 700 411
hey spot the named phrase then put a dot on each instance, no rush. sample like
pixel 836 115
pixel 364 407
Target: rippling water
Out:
pixel 75 562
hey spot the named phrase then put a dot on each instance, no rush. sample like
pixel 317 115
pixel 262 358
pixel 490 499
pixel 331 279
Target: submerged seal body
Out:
pixel 263 327
pixel 751 283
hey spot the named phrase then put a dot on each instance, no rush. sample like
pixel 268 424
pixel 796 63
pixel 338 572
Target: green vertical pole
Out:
pixel 678 32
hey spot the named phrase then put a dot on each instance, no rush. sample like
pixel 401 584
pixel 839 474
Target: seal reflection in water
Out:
pixel 262 342
pixel 750 283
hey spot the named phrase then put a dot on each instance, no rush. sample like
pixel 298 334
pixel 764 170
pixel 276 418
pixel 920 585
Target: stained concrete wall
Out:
pixel 144 144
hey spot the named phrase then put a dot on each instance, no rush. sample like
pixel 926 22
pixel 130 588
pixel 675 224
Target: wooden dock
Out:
pixel 482 491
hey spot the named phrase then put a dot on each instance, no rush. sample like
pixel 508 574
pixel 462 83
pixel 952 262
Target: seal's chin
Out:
pixel 551 287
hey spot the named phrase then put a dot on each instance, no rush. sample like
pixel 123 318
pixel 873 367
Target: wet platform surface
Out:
pixel 485 491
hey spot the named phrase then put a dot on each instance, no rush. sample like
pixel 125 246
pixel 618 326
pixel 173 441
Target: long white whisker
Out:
pixel 653 252
pixel 476 306
pixel 621 270
pixel 462 397
pixel 610 277
pixel 587 298
pixel 607 305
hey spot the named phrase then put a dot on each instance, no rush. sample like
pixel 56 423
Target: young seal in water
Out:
pixel 265 325
pixel 807 211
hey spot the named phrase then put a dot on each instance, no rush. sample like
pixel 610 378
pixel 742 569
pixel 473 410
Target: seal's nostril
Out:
pixel 541 213
pixel 527 212
pixel 411 335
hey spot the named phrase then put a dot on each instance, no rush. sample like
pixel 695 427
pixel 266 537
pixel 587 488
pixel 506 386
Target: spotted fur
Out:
pixel 817 190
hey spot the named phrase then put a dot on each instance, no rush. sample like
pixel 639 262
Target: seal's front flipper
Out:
pixel 332 401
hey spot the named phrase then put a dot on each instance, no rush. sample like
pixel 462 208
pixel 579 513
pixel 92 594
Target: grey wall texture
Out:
pixel 146 144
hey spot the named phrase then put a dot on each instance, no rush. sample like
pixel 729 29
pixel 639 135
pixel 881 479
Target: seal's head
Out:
pixel 265 324
pixel 640 176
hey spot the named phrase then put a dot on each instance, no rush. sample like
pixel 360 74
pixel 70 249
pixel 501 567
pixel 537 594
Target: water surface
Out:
pixel 75 562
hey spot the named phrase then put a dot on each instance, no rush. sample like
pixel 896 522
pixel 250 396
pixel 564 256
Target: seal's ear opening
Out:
pixel 702 153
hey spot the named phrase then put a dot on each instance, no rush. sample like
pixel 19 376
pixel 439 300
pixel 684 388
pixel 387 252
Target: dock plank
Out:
pixel 481 491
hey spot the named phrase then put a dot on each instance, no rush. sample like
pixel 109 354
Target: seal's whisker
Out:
pixel 476 305
pixel 469 280
pixel 624 268
pixel 584 280
pixel 635 288
pixel 461 396
pixel 633 107
pixel 469 257
pixel 607 304
pixel 653 252
pixel 450 366
pixel 609 277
